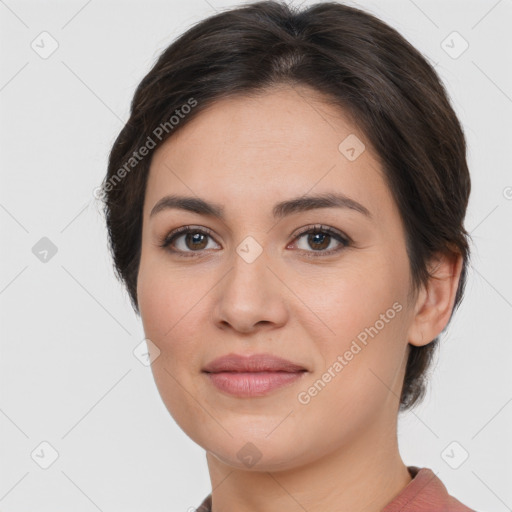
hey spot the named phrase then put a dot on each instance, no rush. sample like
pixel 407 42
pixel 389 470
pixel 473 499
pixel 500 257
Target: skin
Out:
pixel 339 452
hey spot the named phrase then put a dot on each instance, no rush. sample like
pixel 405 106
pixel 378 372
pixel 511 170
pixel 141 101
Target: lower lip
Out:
pixel 252 383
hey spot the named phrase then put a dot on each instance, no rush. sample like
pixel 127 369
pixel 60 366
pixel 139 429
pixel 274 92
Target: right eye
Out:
pixel 187 239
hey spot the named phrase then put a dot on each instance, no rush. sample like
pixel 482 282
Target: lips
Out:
pixel 252 363
pixel 252 376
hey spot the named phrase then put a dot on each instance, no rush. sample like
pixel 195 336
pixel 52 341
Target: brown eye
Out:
pixel 187 239
pixel 195 241
pixel 322 240
pixel 319 241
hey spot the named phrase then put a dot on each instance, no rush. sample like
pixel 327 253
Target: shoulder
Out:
pixel 425 493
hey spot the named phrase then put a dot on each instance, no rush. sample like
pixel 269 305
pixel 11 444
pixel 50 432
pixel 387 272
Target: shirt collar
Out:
pixel 424 493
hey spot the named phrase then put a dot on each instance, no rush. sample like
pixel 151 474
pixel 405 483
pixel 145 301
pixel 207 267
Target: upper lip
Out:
pixel 252 363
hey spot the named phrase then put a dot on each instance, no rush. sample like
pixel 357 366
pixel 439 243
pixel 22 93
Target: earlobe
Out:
pixel 436 299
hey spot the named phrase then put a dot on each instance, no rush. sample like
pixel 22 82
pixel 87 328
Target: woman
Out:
pixel 285 206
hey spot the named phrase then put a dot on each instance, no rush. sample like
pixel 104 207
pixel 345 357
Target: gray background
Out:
pixel 68 375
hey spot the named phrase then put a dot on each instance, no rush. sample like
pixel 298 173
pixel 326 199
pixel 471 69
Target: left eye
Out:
pixel 320 239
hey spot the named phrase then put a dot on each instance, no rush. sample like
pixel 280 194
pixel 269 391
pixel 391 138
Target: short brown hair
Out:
pixel 361 65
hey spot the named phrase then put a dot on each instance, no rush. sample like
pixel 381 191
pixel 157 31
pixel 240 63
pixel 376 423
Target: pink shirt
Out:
pixel 424 493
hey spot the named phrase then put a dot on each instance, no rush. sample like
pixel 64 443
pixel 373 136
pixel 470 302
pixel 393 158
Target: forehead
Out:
pixel 285 142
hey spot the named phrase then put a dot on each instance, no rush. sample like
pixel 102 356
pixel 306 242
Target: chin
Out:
pixel 255 451
pixel 257 457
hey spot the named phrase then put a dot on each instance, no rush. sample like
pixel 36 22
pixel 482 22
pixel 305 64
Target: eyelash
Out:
pixel 316 229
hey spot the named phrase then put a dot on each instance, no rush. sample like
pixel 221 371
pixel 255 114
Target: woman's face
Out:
pixel 251 282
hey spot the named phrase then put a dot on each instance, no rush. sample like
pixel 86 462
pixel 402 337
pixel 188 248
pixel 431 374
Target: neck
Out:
pixel 361 476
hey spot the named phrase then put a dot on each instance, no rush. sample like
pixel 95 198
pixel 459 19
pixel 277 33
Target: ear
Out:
pixel 435 300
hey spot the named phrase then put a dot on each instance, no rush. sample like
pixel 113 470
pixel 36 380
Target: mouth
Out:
pixel 252 363
pixel 250 376
pixel 252 384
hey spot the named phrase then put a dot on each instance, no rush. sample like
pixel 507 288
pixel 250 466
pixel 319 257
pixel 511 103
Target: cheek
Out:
pixel 162 305
pixel 166 298
pixel 174 307
pixel 365 343
pixel 350 300
pixel 155 310
pixel 168 307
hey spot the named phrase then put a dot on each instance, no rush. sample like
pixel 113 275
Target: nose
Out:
pixel 250 296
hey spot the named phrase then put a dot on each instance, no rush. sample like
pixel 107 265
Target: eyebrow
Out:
pixel 279 211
